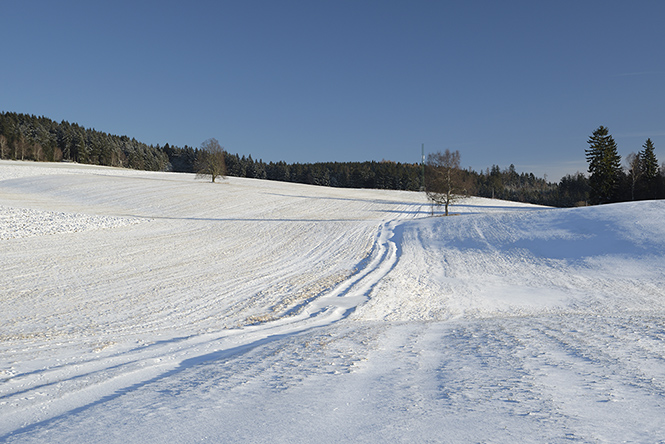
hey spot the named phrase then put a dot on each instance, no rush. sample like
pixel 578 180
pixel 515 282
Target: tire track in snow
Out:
pixel 39 397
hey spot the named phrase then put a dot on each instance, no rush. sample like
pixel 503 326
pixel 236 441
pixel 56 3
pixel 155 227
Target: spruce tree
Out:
pixel 649 169
pixel 604 167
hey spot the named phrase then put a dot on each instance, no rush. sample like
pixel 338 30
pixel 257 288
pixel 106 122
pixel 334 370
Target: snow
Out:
pixel 144 307
pixel 22 222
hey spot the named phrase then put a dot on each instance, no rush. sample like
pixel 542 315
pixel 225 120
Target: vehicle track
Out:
pixel 47 394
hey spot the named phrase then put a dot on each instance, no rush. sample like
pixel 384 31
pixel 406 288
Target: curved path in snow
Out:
pixel 67 389
pixel 149 237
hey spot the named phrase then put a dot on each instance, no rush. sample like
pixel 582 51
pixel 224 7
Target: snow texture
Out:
pixel 23 222
pixel 145 307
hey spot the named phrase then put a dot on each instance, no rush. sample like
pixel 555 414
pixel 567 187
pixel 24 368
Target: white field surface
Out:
pixel 141 307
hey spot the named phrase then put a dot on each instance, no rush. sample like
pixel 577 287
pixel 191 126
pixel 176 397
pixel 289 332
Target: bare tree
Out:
pixel 38 152
pixel 444 179
pixel 3 146
pixel 634 170
pixel 210 161
pixel 20 145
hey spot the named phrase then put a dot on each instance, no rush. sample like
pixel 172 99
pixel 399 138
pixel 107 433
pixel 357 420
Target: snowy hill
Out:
pixel 143 307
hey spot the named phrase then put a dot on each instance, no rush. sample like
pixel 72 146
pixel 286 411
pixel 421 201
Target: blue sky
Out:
pixel 521 82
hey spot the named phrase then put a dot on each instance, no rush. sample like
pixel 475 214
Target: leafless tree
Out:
pixel 20 145
pixel 3 146
pixel 210 161
pixel 38 152
pixel 634 170
pixel 444 179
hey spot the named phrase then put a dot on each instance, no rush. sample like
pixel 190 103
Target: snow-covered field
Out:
pixel 152 307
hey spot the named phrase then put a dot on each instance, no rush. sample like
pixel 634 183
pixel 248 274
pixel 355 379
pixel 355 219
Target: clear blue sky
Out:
pixel 522 82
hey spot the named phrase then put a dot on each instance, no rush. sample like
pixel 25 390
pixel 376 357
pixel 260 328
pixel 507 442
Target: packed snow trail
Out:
pixel 92 382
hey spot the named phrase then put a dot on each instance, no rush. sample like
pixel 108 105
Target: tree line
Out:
pixel 609 181
pixel 28 137
pixel 371 174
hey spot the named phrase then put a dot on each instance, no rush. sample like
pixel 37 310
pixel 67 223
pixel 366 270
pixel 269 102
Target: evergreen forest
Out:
pixel 28 137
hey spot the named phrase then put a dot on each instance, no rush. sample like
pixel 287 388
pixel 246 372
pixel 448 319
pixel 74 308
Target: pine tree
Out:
pixel 604 167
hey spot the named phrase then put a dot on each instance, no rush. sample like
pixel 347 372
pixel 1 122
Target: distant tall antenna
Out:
pixel 422 163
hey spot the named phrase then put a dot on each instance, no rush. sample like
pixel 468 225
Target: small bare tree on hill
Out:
pixel 210 160
pixel 444 179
